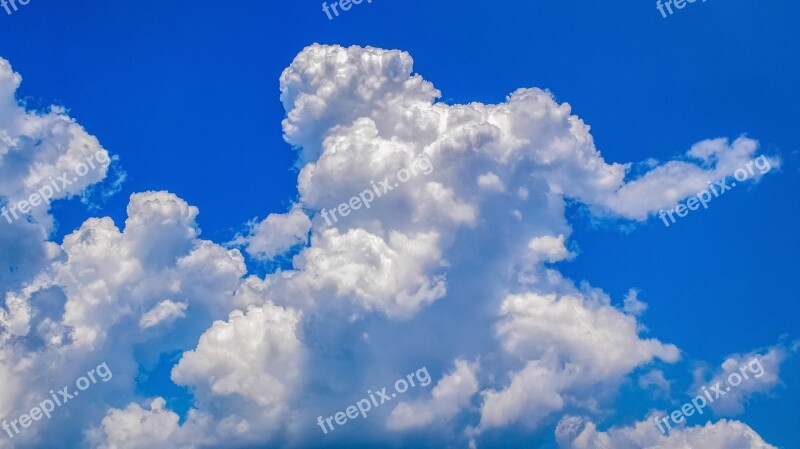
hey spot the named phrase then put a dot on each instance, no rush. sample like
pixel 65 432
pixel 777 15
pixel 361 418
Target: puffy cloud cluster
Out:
pixel 102 298
pixel 578 433
pixel 135 427
pixel 256 355
pixel 592 333
pixel 359 269
pixel 488 219
pixel 574 345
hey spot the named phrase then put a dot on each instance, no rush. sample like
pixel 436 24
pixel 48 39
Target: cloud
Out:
pixel 757 372
pixel 532 395
pixel 136 427
pixel 450 395
pixel 632 304
pixel 578 433
pixel 277 234
pixel 575 347
pixel 88 305
pixel 37 150
pixel 164 312
pixel 549 248
pixel 490 181
pixel 468 243
pixel 255 354
pixel 665 185
pixel 363 272
pixel 541 152
pixel 654 380
pixel 581 329
pixel 327 85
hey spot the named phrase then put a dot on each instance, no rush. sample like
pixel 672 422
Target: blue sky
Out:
pixel 187 96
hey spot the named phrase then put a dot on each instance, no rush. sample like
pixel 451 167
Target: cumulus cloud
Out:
pixel 540 151
pixel 574 345
pixel 589 332
pixel 450 395
pixel 108 274
pixel 549 248
pixel 136 427
pixel 277 234
pixel 486 221
pixel 578 433
pixel 359 115
pixel 40 153
pixel 103 284
pixel 255 354
pixel 326 86
pixel 363 270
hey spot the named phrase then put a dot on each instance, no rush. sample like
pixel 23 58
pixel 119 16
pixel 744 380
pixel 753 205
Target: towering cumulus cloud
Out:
pixel 463 255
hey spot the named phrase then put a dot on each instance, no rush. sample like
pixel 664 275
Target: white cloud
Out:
pixel 491 182
pixel 362 269
pixel 164 312
pixel 327 86
pixel 665 185
pixel 356 115
pixel 450 395
pixel 108 275
pixel 757 372
pixel 135 427
pixel 654 380
pixel 578 433
pixel 89 303
pixel 256 355
pixel 161 227
pixel 359 115
pixel 549 248
pixel 632 305
pixel 575 347
pixel 277 234
pixel 532 395
pixel 36 148
pixel 579 329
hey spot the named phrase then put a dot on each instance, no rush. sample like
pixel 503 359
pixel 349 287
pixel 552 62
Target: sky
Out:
pixel 258 217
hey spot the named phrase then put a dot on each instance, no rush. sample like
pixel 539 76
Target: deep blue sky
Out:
pixel 186 93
